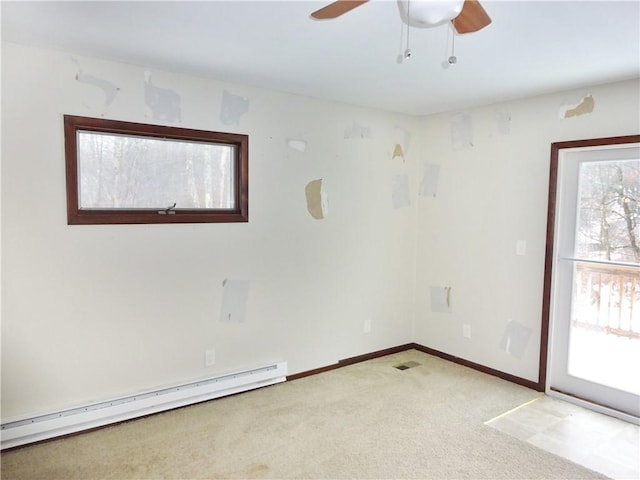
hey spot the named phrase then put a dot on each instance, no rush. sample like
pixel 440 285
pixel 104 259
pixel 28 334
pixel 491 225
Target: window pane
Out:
pixel 605 307
pixel 609 213
pixel 125 172
pixel 605 325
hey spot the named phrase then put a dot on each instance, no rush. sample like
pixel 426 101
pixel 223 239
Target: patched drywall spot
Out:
pixel 317 202
pixel 503 123
pixel 400 191
pixel 402 138
pixel 584 106
pixel 109 89
pixel 461 131
pixel 232 108
pixel 357 131
pixel 297 144
pixel 429 183
pixel 515 339
pixel 234 300
pixel 163 102
pixel 441 299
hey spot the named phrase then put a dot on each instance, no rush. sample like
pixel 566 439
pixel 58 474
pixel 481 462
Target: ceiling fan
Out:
pixel 466 15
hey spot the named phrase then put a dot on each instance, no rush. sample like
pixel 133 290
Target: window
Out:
pixel 122 172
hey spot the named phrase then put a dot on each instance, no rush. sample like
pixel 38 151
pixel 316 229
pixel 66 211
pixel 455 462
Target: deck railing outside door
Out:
pixel 607 298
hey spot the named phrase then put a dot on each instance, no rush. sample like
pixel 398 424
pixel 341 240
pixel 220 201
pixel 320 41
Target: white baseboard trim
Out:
pixel 42 427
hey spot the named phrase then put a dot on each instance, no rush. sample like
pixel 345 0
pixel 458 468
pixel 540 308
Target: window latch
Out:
pixel 168 211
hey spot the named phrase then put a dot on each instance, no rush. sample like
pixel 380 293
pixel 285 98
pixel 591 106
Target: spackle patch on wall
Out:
pixel 429 183
pixel 317 202
pixel 515 339
pixel 400 195
pixel 234 300
pixel 163 102
pixel 232 108
pixel 109 90
pixel 461 131
pixel 297 144
pixel 503 123
pixel 584 106
pixel 441 299
pixel 357 131
pixel 402 138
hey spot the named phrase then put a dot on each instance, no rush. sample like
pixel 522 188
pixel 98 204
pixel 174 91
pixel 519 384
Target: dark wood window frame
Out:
pixel 79 216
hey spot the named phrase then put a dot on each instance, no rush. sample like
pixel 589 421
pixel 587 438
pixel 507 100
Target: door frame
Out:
pixel 556 147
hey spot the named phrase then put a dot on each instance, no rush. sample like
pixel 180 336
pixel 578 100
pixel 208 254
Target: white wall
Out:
pixel 93 312
pixel 489 196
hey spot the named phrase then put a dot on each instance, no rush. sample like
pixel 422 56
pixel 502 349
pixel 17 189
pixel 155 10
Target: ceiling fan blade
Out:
pixel 472 17
pixel 335 9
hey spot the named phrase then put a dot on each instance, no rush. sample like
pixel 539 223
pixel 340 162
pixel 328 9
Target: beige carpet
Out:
pixel 368 420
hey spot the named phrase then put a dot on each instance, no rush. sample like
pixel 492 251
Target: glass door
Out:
pixel 594 313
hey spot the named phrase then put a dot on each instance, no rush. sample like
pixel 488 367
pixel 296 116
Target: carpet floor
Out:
pixel 368 420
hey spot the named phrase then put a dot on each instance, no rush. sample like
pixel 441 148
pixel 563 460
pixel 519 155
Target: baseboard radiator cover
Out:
pixel 42 427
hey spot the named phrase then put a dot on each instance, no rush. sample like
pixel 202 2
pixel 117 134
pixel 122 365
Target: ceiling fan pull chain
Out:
pixel 453 59
pixel 407 52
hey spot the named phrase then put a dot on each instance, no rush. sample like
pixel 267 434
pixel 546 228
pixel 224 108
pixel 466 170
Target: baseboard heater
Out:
pixel 42 427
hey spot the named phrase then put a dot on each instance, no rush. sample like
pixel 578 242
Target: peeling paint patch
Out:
pixel 400 191
pixel 297 144
pixel 317 202
pixel 234 300
pixel 357 131
pixel 163 102
pixel 232 108
pixel 583 107
pixel 398 152
pixel 441 299
pixel 429 183
pixel 461 131
pixel 515 339
pixel 402 138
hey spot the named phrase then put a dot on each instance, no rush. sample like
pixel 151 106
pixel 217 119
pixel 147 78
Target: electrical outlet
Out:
pixel 209 357
pixel 366 326
pixel 466 330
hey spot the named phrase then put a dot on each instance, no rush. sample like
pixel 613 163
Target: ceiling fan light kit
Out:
pixel 428 13
pixel 466 15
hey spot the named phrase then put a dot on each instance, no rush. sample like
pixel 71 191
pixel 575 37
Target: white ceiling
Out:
pixel 532 47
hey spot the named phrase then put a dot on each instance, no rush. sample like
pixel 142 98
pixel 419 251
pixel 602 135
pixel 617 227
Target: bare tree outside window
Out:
pixel 609 205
